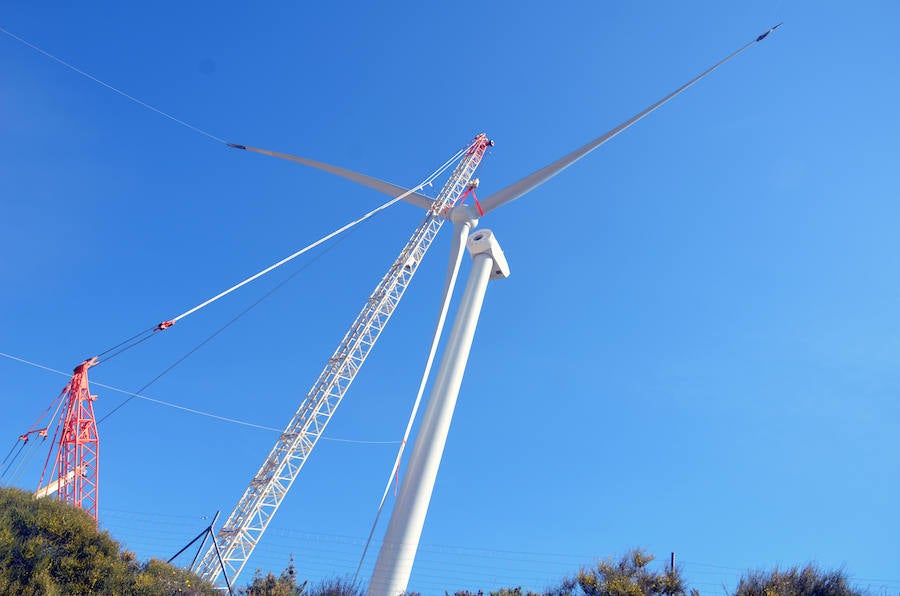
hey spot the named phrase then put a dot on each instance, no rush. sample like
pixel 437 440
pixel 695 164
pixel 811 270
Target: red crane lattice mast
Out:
pixel 77 463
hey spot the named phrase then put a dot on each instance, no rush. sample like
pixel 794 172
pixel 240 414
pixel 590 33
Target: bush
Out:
pixel 796 581
pixel 48 547
pixel 629 576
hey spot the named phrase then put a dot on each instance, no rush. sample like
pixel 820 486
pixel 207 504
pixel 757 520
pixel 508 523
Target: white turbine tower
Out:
pixel 395 559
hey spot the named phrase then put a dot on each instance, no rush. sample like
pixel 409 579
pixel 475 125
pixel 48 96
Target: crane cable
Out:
pixel 23 439
pixel 15 457
pixel 150 331
pixel 22 459
pixel 344 228
pixel 27 458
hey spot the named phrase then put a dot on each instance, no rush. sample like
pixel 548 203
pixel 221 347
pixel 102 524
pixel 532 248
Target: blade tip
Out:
pixel 766 34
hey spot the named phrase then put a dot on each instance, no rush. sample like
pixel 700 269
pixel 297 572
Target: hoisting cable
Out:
pixel 122 343
pixel 24 438
pixel 26 461
pixel 198 346
pixel 150 332
pixel 24 455
pixel 60 400
pixel 11 449
pixel 145 335
pixel 293 256
pixel 209 338
pixel 126 344
pixel 344 228
pixel 15 457
pixel 49 457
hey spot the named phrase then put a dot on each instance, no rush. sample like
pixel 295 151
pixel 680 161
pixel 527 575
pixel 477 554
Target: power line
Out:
pixel 456 564
pixel 139 395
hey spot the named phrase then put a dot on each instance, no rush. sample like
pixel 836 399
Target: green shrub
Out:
pixel 50 548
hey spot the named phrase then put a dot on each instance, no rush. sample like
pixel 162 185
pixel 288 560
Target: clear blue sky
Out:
pixel 698 349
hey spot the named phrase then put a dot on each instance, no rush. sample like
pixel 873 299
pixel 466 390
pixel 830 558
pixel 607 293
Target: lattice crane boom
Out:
pixel 251 516
pixel 74 477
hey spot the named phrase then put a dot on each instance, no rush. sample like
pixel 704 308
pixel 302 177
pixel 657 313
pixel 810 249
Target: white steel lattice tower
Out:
pixel 245 526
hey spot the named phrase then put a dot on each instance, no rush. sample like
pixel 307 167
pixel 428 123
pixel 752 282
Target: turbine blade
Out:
pixel 381 186
pixel 534 180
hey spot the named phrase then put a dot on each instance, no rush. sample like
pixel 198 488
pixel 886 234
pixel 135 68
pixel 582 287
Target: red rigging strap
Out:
pixel 462 198
pixel 477 204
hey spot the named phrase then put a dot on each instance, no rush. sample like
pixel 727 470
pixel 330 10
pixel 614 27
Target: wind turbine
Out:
pixel 395 560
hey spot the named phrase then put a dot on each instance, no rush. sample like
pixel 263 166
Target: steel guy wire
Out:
pixel 111 88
